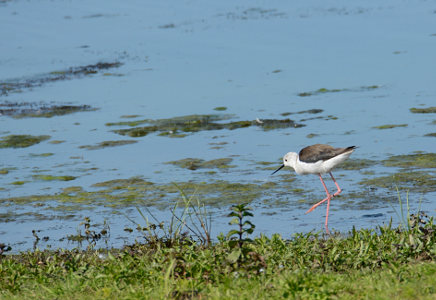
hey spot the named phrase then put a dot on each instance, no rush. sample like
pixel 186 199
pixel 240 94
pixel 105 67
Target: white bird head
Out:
pixel 289 160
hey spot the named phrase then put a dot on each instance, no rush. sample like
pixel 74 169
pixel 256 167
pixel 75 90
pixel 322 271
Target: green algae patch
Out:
pixel 106 144
pixel 56 142
pixel 433 134
pixel 176 121
pixel 418 160
pixel 21 140
pixel 17 85
pixel 325 90
pixel 72 189
pixel 309 111
pixel 389 126
pixel 197 163
pixel 356 164
pixel 42 110
pixel 128 192
pixel 417 181
pixel 4 171
pixel 129 116
pixel 172 134
pixel 123 182
pixel 428 110
pixel 19 182
pixel 180 126
pixel 47 154
pixel 53 178
pixel 220 108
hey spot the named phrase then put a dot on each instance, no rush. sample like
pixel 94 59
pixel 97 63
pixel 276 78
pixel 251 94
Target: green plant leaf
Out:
pixel 234 221
pixel 234 256
pixel 232 232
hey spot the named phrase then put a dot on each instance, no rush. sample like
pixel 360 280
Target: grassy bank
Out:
pixel 382 263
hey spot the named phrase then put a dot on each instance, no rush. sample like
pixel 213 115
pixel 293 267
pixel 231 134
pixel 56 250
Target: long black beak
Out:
pixel 278 169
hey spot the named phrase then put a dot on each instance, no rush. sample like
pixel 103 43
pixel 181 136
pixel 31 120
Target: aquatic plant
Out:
pixel 325 90
pixel 199 225
pixel 17 85
pixel 428 110
pixel 180 126
pixel 389 126
pixel 106 144
pixel 238 215
pixel 21 140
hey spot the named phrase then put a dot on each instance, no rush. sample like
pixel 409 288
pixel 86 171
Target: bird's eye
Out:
pixel 286 159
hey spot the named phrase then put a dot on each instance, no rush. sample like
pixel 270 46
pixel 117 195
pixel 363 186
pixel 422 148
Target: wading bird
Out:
pixel 318 159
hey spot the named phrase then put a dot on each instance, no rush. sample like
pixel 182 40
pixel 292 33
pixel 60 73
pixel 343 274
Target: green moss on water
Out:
pixel 21 140
pixel 41 154
pixel 266 163
pixel 418 181
pixel 197 163
pixel 19 182
pixel 51 177
pixel 129 116
pixel 312 135
pixel 180 126
pixel 357 164
pixel 4 171
pixel 172 134
pixel 433 134
pixel 176 121
pixel 123 182
pixel 220 108
pixel 106 144
pixel 428 110
pixel 54 110
pixel 326 90
pixel 17 85
pixel 137 191
pixel 55 142
pixel 389 126
pixel 72 189
pixel 419 160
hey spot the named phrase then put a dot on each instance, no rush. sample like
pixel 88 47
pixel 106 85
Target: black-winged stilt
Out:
pixel 318 159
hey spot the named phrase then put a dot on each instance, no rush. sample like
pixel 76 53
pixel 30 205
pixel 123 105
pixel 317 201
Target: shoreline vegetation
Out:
pixel 178 260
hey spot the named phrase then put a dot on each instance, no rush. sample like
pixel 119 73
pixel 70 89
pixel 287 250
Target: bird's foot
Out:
pixel 329 197
pixel 337 193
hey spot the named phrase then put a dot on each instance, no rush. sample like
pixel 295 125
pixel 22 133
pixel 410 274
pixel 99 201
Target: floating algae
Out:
pixel 39 110
pixel 417 181
pixel 418 160
pixel 220 108
pixel 21 140
pixel 179 126
pixel 356 164
pixel 17 85
pixel 389 126
pixel 47 154
pixel 106 144
pixel 137 191
pixel 324 90
pixel 196 163
pixel 428 110
pixel 51 177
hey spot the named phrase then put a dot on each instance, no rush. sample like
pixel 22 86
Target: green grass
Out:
pixel 177 260
pixel 382 263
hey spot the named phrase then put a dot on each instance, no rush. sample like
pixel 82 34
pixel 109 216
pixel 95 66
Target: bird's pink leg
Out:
pixel 337 185
pixel 329 196
pixel 327 215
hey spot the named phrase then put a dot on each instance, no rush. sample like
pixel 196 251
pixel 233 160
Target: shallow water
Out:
pixel 257 59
